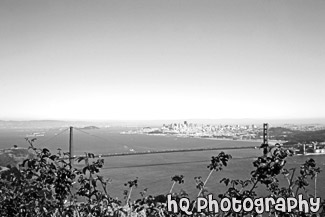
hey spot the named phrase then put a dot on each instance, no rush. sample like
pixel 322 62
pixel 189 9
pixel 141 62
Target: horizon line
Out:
pixel 166 119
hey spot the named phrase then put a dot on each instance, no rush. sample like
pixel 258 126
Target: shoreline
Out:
pixel 271 142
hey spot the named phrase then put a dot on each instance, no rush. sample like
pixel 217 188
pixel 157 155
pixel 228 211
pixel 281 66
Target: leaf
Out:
pixel 225 180
pixel 84 170
pixel 100 178
pixel 53 157
pixel 91 155
pixel 79 159
pixel 27 160
pixel 93 182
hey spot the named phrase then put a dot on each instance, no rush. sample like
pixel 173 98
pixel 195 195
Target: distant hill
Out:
pixel 296 136
pixel 19 124
pixel 35 124
pixel 281 131
pixel 51 124
pixel 89 128
pixel 45 124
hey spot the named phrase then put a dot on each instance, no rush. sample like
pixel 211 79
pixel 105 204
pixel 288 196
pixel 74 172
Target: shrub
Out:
pixel 47 185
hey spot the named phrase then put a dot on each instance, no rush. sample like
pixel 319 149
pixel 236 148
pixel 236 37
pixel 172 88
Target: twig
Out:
pixel 202 188
pixel 171 189
pixel 315 184
pixel 127 201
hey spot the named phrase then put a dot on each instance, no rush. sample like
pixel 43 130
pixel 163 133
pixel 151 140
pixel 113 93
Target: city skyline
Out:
pixel 154 60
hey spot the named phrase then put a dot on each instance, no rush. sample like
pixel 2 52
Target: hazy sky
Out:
pixel 166 59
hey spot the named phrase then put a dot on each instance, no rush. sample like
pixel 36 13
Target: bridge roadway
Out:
pixel 169 151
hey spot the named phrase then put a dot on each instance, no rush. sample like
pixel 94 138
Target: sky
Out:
pixel 162 59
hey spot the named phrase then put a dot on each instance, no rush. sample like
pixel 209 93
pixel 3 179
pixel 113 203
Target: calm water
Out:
pixel 154 171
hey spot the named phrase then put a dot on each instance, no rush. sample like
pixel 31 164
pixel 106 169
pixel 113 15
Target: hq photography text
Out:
pixel 259 205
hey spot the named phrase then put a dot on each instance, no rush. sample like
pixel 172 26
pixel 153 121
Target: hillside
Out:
pixel 296 136
pixel 13 156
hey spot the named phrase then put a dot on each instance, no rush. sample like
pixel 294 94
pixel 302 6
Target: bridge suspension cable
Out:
pixel 51 138
pixel 103 139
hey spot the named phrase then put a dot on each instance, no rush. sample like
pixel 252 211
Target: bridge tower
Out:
pixel 71 148
pixel 265 144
